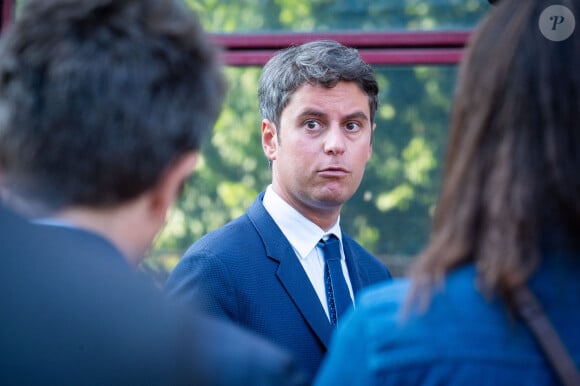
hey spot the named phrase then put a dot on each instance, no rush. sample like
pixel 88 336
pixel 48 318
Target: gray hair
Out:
pixel 323 62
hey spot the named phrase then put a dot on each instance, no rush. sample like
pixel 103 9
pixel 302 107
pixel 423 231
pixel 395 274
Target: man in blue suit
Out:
pixel 104 105
pixel 266 270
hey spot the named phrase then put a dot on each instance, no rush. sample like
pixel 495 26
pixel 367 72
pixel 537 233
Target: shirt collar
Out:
pixel 302 233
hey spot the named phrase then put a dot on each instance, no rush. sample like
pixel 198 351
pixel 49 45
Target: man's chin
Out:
pixel 333 198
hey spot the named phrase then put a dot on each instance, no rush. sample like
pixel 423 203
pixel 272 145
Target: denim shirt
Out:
pixel 463 338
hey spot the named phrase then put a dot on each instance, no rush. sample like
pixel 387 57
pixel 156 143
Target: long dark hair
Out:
pixel 512 170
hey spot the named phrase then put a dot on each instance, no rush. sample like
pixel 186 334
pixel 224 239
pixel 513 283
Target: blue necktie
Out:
pixel 337 293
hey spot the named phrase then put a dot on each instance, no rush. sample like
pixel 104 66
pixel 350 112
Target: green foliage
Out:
pixel 390 213
pixel 227 16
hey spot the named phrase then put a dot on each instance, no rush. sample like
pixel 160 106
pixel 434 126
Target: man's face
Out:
pixel 320 150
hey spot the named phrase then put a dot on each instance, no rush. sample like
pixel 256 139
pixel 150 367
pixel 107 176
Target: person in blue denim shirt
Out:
pixel 508 214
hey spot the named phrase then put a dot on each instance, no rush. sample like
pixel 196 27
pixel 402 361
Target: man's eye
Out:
pixel 352 126
pixel 312 125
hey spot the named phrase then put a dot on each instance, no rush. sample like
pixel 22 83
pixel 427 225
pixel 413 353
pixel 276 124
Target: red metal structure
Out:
pixel 412 47
pixel 6 12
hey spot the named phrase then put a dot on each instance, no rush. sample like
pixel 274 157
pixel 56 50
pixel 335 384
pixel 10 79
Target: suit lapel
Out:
pixel 299 288
pixel 290 272
pixel 356 276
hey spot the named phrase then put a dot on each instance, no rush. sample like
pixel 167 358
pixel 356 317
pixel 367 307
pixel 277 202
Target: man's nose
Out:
pixel 334 141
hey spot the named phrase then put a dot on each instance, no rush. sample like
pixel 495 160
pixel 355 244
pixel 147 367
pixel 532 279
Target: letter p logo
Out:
pixel 556 20
pixel 557 23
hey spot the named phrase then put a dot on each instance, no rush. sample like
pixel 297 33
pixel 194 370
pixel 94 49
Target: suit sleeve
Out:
pixel 201 280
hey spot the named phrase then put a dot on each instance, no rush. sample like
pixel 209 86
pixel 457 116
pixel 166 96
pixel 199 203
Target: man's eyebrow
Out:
pixel 320 114
pixel 311 113
pixel 358 115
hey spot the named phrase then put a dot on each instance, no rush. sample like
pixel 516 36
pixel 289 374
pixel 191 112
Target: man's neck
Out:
pixel 120 225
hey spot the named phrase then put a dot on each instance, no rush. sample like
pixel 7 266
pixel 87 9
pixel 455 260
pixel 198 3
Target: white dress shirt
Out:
pixel 304 235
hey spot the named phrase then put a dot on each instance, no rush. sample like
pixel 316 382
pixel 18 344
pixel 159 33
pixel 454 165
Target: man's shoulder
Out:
pixel 351 243
pixel 231 233
pixel 246 230
pixel 70 304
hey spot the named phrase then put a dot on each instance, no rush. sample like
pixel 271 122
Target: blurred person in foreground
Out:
pixel 266 270
pixel 507 220
pixel 104 105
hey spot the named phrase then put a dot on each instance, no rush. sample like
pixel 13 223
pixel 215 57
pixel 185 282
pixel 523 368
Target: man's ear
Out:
pixel 269 139
pixel 170 185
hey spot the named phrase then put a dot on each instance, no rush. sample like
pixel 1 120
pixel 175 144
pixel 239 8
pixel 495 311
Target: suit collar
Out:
pixel 301 233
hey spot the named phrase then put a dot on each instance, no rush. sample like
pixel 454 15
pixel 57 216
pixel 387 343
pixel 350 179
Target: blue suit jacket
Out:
pixel 248 272
pixel 74 313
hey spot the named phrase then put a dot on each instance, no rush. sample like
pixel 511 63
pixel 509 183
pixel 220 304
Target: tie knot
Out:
pixel 330 248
